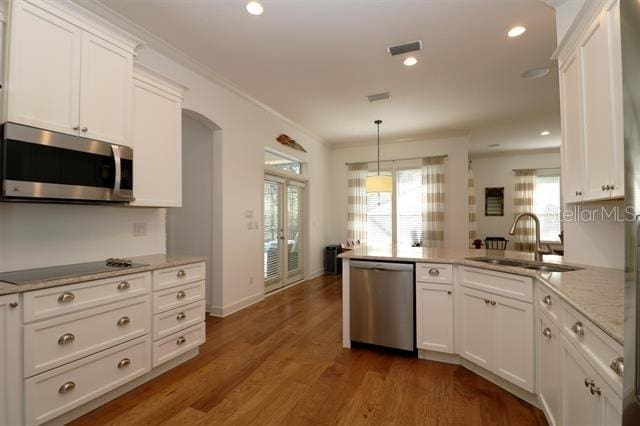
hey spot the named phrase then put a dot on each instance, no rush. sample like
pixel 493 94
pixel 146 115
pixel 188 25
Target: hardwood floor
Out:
pixel 281 362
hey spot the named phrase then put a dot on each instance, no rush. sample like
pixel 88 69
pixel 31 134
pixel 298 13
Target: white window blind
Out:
pixel 409 206
pixel 379 216
pixel 271 231
pixel 294 226
pixel 546 205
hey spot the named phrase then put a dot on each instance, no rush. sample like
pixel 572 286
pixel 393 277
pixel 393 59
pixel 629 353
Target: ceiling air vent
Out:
pixel 379 96
pixel 401 49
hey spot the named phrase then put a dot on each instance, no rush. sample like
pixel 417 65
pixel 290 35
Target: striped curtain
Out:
pixel 473 220
pixel 357 213
pixel 433 179
pixel 525 236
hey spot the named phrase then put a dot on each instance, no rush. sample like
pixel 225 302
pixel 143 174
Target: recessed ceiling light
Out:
pixel 494 145
pixel 534 73
pixel 410 61
pixel 545 133
pixel 254 8
pixel 516 31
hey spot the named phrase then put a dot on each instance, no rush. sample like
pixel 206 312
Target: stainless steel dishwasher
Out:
pixel 382 304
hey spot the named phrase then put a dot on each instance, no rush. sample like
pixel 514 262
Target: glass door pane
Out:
pixel 272 234
pixel 294 232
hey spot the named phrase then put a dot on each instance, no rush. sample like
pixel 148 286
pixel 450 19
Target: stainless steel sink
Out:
pixel 537 266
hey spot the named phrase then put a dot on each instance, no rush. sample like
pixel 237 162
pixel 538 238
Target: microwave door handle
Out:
pixel 118 179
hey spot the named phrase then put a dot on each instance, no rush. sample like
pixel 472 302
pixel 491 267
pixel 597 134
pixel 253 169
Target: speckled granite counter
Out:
pixel 597 293
pixel 152 262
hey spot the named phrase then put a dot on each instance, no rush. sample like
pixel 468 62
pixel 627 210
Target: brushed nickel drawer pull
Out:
pixel 181 340
pixel 617 365
pixel 123 321
pixel 66 297
pixel 546 333
pixel 124 363
pixel 578 328
pixel 181 316
pixel 547 300
pixel 65 339
pixel 124 285
pixel 434 272
pixel 181 295
pixel 67 387
pixel 181 273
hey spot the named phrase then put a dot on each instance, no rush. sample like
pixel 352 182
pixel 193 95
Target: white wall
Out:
pixel 456 204
pixel 496 170
pixel 246 131
pixel 38 235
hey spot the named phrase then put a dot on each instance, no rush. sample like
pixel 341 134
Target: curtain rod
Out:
pixel 538 168
pixel 397 159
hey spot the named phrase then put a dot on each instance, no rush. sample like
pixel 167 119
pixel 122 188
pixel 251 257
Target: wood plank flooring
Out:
pixel 281 362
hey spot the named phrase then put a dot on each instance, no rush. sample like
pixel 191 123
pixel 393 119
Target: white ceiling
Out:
pixel 315 60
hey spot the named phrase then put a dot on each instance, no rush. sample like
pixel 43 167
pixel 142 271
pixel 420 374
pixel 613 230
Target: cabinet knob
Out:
pixel 546 333
pixel 595 390
pixel 76 127
pixel 605 187
pixel 67 387
pixel 434 272
pixel 124 285
pixel 181 273
pixel 124 363
pixel 84 129
pixel 123 321
pixel 578 328
pixel 65 339
pixel 547 300
pixel 617 365
pixel 66 297
pixel 588 382
pixel 181 340
pixel 448 291
pixel 493 303
pixel 13 304
pixel 181 295
pixel 181 316
pixel 486 301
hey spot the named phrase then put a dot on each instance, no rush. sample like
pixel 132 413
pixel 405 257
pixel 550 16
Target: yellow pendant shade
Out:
pixel 378 184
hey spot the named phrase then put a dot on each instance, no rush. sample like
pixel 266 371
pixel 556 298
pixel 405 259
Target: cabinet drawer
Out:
pixel 177 319
pixel 52 302
pixel 49 344
pixel 549 303
pixel 598 348
pixel 509 285
pixel 177 296
pixel 177 344
pixel 171 277
pixel 434 273
pixel 86 379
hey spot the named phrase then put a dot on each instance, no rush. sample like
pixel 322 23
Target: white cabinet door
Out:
pixel 572 160
pixel 598 118
pixel 612 17
pixel 611 405
pixel 434 317
pixel 475 327
pixel 549 369
pixel 44 70
pixel 512 332
pixel 10 361
pixel 157 145
pixel 106 91
pixel 580 407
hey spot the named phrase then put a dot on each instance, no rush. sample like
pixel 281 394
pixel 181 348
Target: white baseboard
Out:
pixel 316 274
pixel 218 311
pixel 109 396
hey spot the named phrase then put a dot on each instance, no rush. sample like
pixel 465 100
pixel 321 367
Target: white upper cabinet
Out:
pixel 591 96
pixel 66 75
pixel 44 70
pixel 157 141
pixel 105 90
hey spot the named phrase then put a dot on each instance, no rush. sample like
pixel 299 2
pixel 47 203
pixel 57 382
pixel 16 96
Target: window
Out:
pixel 379 216
pixel 409 206
pixel 546 205
pixel 281 162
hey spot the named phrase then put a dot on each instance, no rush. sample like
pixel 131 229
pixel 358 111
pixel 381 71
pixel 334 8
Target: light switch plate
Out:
pixel 248 214
pixel 140 229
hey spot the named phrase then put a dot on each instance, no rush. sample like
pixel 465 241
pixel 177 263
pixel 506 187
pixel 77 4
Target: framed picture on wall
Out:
pixel 494 201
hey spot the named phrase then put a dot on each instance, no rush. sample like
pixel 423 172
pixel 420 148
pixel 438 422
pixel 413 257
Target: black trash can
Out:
pixel 332 265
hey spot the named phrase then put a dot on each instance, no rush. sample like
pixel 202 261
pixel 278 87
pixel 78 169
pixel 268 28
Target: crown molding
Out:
pixel 162 46
pixel 584 18
pixel 445 134
pixel 508 153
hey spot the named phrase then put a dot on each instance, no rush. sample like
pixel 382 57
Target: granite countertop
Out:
pixel 597 293
pixel 151 262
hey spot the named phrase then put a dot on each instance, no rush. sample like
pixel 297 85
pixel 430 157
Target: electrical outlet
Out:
pixel 250 226
pixel 250 280
pixel 248 214
pixel 140 229
pixel 256 225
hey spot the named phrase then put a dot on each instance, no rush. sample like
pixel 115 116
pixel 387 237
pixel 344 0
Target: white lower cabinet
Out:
pixel 434 317
pixel 474 327
pixel 549 371
pixel 10 360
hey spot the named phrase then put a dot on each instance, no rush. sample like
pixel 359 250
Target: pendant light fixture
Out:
pixel 378 183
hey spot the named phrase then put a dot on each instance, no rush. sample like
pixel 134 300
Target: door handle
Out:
pixel 118 178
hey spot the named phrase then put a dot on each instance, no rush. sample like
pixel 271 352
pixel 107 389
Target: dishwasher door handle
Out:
pixel 377 266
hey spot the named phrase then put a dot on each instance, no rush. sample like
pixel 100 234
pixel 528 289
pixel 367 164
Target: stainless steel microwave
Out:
pixel 40 165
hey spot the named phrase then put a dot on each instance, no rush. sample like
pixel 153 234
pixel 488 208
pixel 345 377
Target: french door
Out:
pixel 283 232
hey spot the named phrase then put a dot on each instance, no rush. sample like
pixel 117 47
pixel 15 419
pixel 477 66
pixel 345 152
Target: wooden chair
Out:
pixel 495 243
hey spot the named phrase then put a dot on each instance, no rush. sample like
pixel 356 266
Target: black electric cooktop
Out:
pixel 28 276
